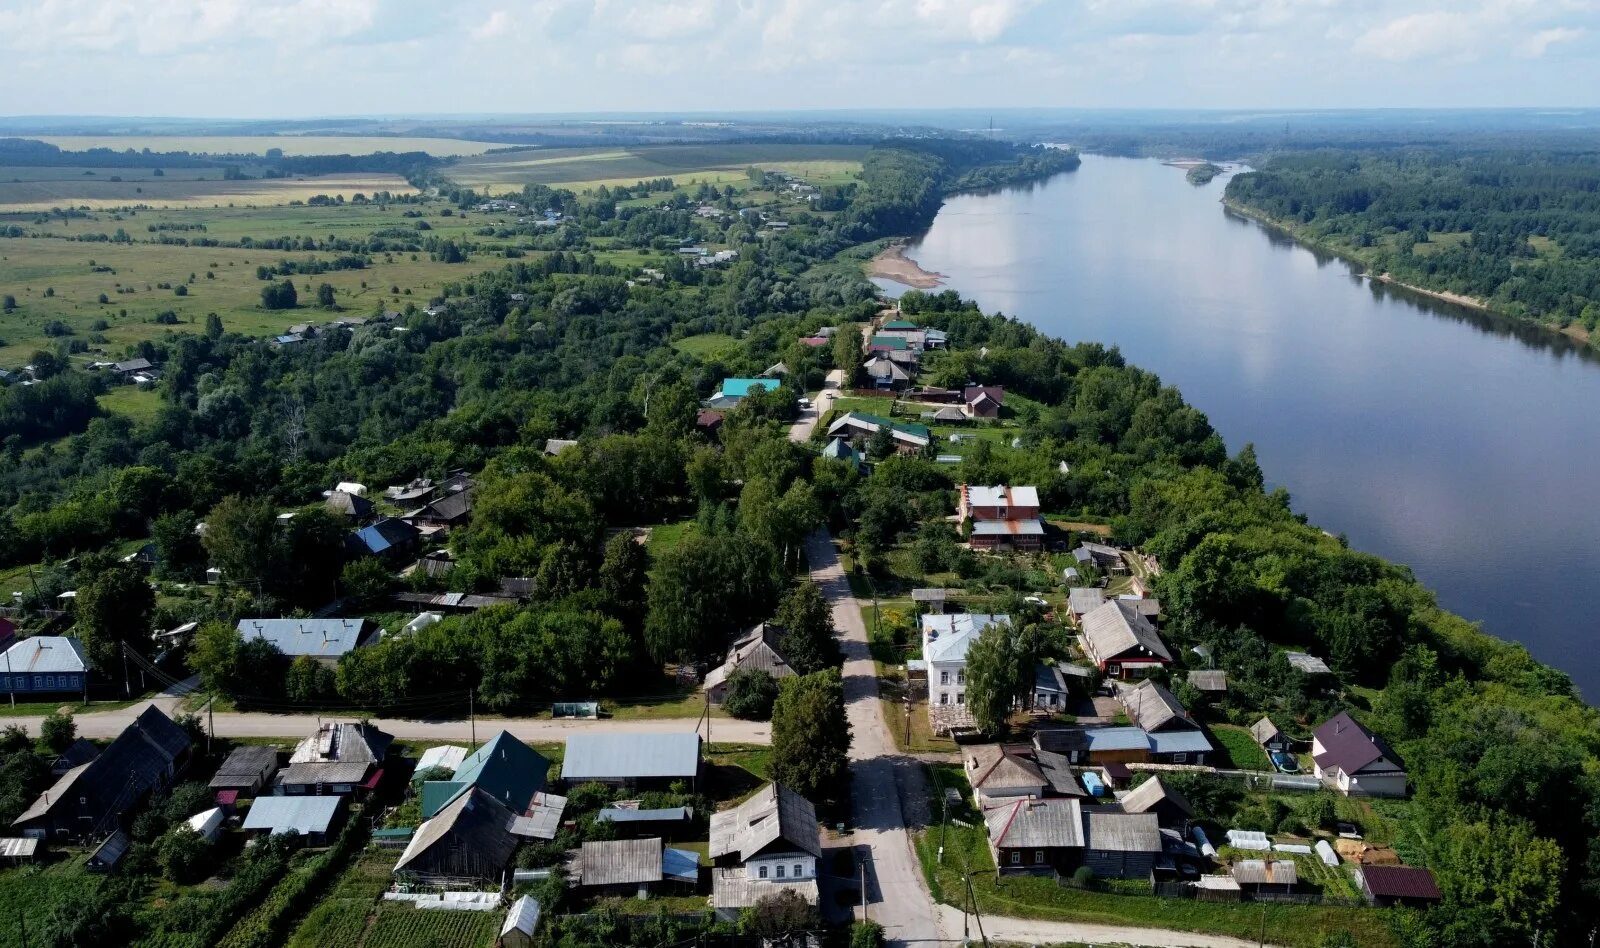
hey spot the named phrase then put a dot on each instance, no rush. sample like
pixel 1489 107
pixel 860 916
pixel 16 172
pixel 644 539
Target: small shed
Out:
pixel 521 920
pixel 933 599
pixel 1406 886
pixel 1268 736
pixel 1307 664
pixel 208 823
pixel 15 850
pixel 1259 874
pixel 1212 681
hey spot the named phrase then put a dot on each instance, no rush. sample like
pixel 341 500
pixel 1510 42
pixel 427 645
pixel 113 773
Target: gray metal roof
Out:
pixel 544 817
pixel 1308 664
pixel 618 814
pixel 333 771
pixel 1036 823
pixel 1124 832
pixel 1116 628
pixel 45 654
pixel 620 862
pixel 302 815
pixel 1154 708
pixel 348 742
pixel 731 888
pixel 774 813
pixel 1261 872
pixel 630 756
pixel 522 917
pixel 1152 793
pixel 319 638
pixel 1209 679
pixel 246 764
pixel 1085 599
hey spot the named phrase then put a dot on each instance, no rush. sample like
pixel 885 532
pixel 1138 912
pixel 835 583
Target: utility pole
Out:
pixel 973 896
pixel 1263 940
pixel 863 890
pixel 211 722
pixel 472 716
pixel 127 688
pixel 13 688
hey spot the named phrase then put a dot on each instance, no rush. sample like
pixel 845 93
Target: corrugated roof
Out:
pixel 1209 679
pixel 140 758
pixel 1349 746
pixel 245 764
pixel 1036 823
pixel 775 813
pixel 1400 882
pixel 18 847
pixel 1027 528
pixel 1154 708
pixel 111 849
pixel 343 742
pixel 470 838
pixel 1308 664
pixel 620 862
pixel 732 888
pixel 1057 771
pixel 504 767
pixel 1260 872
pixel 630 756
pixel 756 650
pixel 45 654
pixel 739 388
pixel 327 772
pixel 949 636
pixel 619 814
pixel 446 755
pixel 319 638
pixel 680 864
pixel 1116 628
pixel 1124 832
pixel 1152 793
pixel 1179 742
pixel 1082 600
pixel 301 814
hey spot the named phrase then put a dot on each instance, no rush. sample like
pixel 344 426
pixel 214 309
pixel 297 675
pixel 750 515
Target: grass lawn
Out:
pixel 399 925
pixel 29 894
pixel 665 536
pixel 1243 751
pixel 140 404
pixel 1298 926
pixel 100 192
pixel 707 345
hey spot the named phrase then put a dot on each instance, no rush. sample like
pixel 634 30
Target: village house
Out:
pixel 1099 746
pixel 767 844
pixel 983 401
pixel 756 650
pixel 1121 845
pixel 628 820
pixel 859 427
pixel 1036 837
pixel 93 798
pixel 733 391
pixel 1082 600
pixel 945 640
pixel 389 538
pixel 1260 876
pixel 45 665
pixel 248 768
pixel 631 759
pixel 1353 760
pixel 339 759
pixel 348 505
pixel 1121 642
pixel 886 373
pixel 505 768
pixel 1268 736
pixel 326 640
pixel 1107 559
pixel 447 512
pixel 1001 774
pixel 1000 517
pixel 1170 807
pixel 469 841
pixel 903 329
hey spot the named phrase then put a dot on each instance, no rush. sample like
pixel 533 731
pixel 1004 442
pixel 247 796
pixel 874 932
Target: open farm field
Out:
pixel 233 224
pixel 174 190
pixel 582 168
pixel 258 144
pixel 58 280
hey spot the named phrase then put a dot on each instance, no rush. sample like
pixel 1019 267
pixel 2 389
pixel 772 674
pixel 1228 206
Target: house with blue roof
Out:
pixel 44 664
pixel 324 639
pixel 739 388
pixel 506 769
pixel 389 538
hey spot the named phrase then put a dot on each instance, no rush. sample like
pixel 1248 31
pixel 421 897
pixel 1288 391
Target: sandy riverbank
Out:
pixel 892 264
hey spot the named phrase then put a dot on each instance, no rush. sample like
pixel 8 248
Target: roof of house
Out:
pixel 994 393
pixel 949 635
pixel 888 342
pixel 1400 882
pixel 46 654
pixel 980 495
pixel 297 814
pixel 1209 679
pixel 625 814
pixel 523 916
pixel 111 849
pixel 1261 872
pixel 900 324
pixel 614 756
pixel 945 414
pixel 1066 739
pixel 350 742
pixel 1154 708
pixel 1048 678
pixel 139 758
pixel 470 837
pixel 1007 528
pixel 1152 793
pixel 348 504
pixel 1028 824
pixel 80 751
pixel 739 388
pixel 1264 730
pixel 133 365
pixel 543 820
pixel 246 761
pixel 1308 664
pixel 1115 628
pixel 902 430
pixel 1349 746
pixel 1057 771
pixel 1082 600
pixel 505 768
pixel 775 813
pixel 319 638
pixel 1179 742
pixel 620 862
pixel 997 767
pixel 839 449
pixel 732 888
pixel 756 650
pixel 449 507
pixel 1123 832
pixel 386 534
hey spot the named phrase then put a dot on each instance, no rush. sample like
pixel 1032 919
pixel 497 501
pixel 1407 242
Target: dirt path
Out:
pixel 1026 931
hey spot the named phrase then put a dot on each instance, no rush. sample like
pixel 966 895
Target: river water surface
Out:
pixel 1427 434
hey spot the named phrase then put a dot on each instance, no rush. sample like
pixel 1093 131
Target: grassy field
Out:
pixel 707 345
pixel 100 192
pixel 140 404
pixel 59 280
pixel 584 168
pixel 1242 749
pixel 28 895
pixel 258 144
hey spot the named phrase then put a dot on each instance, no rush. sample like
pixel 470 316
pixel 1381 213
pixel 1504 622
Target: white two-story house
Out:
pixel 945 639
pixel 767 844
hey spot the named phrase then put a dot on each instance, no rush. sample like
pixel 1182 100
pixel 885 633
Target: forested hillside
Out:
pixel 1518 230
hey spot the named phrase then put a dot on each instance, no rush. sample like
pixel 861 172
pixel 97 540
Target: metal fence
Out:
pixel 1187 890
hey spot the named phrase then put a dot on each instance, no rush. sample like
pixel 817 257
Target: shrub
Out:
pixel 58 731
pixel 751 693
pixel 185 855
pixel 866 934
pixel 1083 877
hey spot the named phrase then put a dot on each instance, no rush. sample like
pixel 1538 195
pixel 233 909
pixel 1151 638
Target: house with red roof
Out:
pixel 1354 761
pixel 1402 886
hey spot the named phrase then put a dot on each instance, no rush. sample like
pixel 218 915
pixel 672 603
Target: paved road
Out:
pixel 898 895
pixel 107 724
pixel 800 431
pixel 1032 932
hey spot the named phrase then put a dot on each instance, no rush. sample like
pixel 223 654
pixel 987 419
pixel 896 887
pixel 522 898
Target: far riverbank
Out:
pixel 891 263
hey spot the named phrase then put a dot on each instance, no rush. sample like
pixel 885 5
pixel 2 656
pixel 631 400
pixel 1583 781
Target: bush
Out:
pixel 280 295
pixel 866 934
pixel 751 693
pixel 58 731
pixel 185 855
pixel 1083 877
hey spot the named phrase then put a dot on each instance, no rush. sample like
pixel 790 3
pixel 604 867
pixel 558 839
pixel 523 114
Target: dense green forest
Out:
pixel 558 345
pixel 1517 229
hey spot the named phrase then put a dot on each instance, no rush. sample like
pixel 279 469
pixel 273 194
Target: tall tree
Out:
pixel 114 607
pixel 992 677
pixel 811 736
pixel 809 643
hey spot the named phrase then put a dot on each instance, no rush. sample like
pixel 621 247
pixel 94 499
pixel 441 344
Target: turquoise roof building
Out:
pixel 739 388
pixel 505 768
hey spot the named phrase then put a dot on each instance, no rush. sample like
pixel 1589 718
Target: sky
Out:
pixel 292 58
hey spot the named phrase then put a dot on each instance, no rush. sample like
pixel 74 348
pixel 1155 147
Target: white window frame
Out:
pixel 1180 758
pixel 944 678
pixel 1016 858
pixel 799 870
pixel 761 871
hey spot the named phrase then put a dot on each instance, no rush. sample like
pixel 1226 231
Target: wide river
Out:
pixel 1426 434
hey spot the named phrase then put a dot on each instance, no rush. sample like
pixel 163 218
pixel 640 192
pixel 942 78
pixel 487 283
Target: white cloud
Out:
pixel 1536 45
pixel 1418 36
pixel 498 24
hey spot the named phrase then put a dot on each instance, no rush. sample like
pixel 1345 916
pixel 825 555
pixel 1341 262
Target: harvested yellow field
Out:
pixel 258 144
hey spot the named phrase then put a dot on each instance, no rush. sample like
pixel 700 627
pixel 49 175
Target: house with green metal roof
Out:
pixel 889 344
pixel 505 768
pixel 899 324
pixel 857 427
